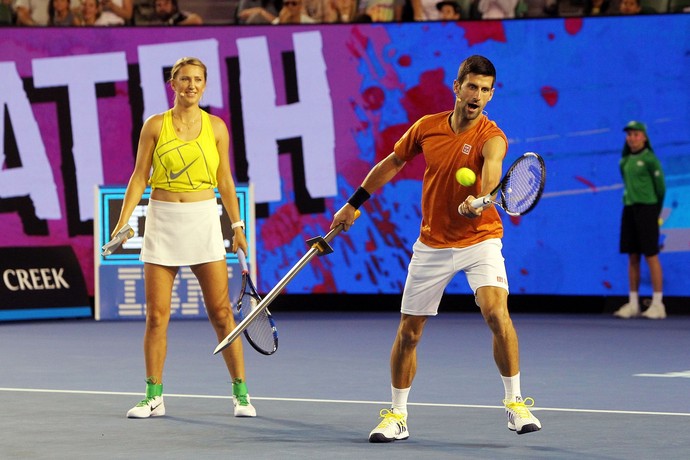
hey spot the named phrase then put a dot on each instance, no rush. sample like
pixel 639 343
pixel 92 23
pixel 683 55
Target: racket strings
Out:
pixel 260 331
pixel 524 185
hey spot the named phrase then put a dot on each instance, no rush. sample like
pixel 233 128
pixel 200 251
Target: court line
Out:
pixel 581 191
pixel 607 188
pixel 344 401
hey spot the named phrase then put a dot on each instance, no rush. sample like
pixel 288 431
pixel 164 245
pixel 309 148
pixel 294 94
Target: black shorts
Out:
pixel 640 229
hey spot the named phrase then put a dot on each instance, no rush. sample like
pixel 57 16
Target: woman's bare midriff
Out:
pixel 182 197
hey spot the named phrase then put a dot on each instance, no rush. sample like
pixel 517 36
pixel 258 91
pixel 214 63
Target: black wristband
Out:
pixel 358 198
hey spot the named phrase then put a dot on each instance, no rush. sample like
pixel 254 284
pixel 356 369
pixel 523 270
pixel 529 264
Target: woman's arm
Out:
pixel 142 169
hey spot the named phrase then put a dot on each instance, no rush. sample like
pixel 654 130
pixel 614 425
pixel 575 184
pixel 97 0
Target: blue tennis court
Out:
pixel 604 389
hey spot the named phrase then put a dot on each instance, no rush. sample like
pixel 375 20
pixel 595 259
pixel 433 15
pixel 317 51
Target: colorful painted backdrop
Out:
pixel 312 109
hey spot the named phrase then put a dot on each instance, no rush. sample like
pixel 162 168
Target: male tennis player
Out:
pixel 451 239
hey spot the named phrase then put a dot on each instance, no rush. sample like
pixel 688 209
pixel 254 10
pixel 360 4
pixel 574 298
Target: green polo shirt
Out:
pixel 643 178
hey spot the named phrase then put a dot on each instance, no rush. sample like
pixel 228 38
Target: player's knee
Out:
pixel 498 320
pixel 410 332
pixel 408 339
pixel 219 316
pixel 156 318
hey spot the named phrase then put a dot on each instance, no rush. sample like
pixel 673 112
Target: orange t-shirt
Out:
pixel 445 152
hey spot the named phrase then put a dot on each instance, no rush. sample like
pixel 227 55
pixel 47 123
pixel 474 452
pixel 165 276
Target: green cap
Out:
pixel 636 126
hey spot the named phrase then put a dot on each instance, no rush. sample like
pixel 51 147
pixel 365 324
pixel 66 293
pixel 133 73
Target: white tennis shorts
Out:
pixel 431 270
pixel 179 234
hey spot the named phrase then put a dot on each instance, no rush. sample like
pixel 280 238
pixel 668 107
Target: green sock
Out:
pixel 153 389
pixel 239 388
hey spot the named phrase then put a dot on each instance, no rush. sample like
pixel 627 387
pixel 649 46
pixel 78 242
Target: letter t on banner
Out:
pixel 80 74
pixel 154 58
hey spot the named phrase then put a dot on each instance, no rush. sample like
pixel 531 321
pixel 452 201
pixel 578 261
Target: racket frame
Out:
pixel 488 199
pixel 248 288
pixel 318 248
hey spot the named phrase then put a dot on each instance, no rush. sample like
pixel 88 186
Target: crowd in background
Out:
pixel 221 12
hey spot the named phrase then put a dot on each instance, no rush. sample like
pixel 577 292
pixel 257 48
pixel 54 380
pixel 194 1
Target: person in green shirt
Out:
pixel 643 198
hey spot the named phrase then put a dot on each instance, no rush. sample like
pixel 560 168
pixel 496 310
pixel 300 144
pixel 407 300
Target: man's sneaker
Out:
pixel 393 427
pixel 520 419
pixel 148 407
pixel 655 311
pixel 628 310
pixel 243 406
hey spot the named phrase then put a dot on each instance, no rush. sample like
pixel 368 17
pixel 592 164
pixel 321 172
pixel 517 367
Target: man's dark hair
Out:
pixel 477 65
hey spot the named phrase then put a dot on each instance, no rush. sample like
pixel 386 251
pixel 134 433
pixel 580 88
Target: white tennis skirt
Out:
pixel 178 234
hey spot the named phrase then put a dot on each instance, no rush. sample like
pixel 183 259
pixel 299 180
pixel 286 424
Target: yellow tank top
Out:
pixel 185 166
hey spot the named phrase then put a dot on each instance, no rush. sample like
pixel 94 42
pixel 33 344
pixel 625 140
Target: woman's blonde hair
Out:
pixel 187 61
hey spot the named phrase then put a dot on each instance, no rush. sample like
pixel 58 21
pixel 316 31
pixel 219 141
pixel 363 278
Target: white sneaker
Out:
pixel 655 311
pixel 393 427
pixel 243 406
pixel 628 310
pixel 148 407
pixel 520 419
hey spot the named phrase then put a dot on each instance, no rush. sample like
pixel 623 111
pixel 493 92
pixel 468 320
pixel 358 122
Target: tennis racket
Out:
pixel 318 246
pixel 112 245
pixel 520 188
pixel 260 333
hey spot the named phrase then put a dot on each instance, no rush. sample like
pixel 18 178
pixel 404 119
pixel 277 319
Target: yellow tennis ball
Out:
pixel 465 176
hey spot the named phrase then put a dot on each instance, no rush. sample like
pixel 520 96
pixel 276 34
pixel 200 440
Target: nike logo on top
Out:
pixel 174 175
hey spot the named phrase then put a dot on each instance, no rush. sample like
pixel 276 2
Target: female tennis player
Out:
pixel 183 155
pixel 451 239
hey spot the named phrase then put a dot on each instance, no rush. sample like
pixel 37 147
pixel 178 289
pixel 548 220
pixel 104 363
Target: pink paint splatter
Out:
pixel 405 60
pixel 357 43
pixel 281 228
pixel 587 182
pixel 477 32
pixel 550 95
pixel 573 26
pixel 328 285
pixel 373 98
pixel 429 96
